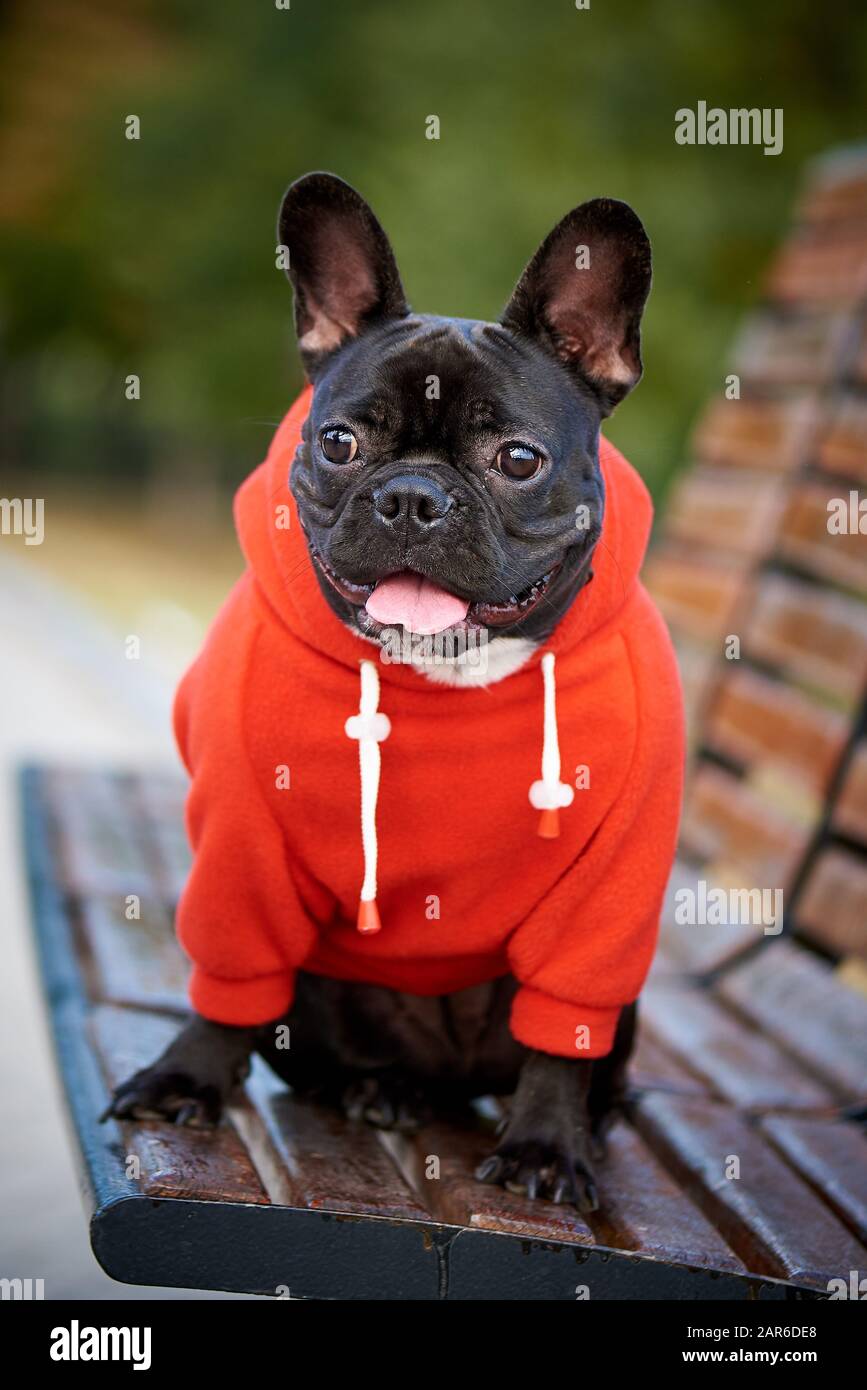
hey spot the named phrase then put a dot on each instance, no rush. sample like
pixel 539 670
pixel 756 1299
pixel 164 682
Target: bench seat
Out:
pixel 289 1197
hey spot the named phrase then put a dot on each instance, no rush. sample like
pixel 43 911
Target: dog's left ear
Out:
pixel 583 293
pixel 341 265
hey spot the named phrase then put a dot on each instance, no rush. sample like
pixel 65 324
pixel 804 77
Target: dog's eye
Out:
pixel 518 461
pixel 338 446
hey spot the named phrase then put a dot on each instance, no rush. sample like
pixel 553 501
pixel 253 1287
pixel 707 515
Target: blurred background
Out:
pixel 156 257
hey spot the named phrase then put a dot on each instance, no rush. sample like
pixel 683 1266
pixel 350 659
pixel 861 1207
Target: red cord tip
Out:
pixel 368 918
pixel 549 825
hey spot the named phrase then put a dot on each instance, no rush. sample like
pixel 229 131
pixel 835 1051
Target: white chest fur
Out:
pixel 501 658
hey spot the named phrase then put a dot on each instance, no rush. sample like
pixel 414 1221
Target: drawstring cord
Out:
pixel 371 727
pixel 550 794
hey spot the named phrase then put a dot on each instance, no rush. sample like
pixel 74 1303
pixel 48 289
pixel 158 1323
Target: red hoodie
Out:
pixel 468 890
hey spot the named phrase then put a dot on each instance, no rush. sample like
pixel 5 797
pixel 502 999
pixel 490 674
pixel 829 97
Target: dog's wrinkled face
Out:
pixel 448 478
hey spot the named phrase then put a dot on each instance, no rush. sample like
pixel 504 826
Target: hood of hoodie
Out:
pixel 279 558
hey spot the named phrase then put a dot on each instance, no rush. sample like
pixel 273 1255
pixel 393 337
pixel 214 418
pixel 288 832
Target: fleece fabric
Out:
pixel 468 890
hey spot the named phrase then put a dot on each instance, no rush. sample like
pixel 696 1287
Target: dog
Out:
pixel 449 484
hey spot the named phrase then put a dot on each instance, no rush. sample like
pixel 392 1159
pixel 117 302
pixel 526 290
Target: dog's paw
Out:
pixel 387 1102
pixel 157 1094
pixel 534 1169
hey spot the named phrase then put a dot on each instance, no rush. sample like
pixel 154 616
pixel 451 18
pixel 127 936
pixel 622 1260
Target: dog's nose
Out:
pixel 411 500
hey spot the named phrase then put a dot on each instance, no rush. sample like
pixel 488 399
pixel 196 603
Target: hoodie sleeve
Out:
pixel 584 952
pixel 239 919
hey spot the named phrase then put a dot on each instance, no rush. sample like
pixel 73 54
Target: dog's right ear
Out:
pixel 341 266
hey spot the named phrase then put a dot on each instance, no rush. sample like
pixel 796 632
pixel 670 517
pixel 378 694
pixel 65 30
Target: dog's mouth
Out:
pixel 419 605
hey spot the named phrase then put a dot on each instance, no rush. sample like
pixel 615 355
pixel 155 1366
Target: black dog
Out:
pixel 565 352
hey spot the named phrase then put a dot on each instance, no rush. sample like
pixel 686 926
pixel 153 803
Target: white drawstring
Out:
pixel 370 727
pixel 549 794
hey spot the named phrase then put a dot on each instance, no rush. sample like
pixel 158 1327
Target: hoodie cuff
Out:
pixel 567 1030
pixel 241 1003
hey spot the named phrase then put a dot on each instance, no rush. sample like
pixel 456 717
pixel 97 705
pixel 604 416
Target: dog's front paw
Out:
pixel 191 1081
pixel 387 1101
pixel 545 1148
pixel 536 1169
pixel 157 1094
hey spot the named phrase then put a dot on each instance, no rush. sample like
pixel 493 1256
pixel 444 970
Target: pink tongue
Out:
pixel 411 599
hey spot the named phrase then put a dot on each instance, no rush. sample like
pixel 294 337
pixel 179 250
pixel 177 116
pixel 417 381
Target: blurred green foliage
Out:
pixel 157 256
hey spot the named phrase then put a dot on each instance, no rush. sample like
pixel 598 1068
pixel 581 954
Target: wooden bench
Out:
pixel 741 1168
pixel 743 1051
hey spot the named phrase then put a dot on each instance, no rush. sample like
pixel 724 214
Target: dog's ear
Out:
pixel 341 265
pixel 583 293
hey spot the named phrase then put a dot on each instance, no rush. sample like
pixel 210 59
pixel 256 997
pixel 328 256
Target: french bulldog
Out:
pixel 442 466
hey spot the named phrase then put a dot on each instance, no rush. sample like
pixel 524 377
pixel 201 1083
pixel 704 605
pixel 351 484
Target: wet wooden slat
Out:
pixel 842 448
pixel 161 800
pixel 314 1157
pixel 819 266
pixel 208 1165
pixel 643 1209
pixel 796 998
pixel 832 1156
pixel 790 349
pixel 697 593
pixel 135 960
pixel 161 794
pixel 726 820
pixel 754 433
pixel 733 510
pixel 699 950
pixel 772 1220
pixel 456 1198
pixel 832 906
pixel 99 842
pixel 741 1065
pixel 654 1068
pixel 755 719
pixel 805 540
pixel 817 636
